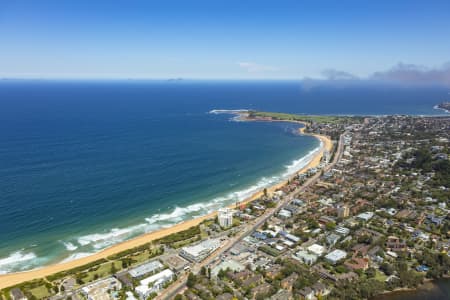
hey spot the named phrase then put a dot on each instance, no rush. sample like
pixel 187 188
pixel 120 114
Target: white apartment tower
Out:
pixel 225 217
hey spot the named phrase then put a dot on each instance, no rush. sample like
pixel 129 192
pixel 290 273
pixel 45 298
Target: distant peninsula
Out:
pixel 445 106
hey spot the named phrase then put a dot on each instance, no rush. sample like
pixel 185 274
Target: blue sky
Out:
pixel 219 39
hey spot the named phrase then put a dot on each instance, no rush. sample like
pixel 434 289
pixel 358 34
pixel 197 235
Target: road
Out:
pixel 180 285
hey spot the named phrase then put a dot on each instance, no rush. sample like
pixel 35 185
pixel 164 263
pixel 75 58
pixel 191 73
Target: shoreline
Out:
pixel 428 285
pixel 10 279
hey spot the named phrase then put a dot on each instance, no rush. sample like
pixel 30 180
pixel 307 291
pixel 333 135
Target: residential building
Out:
pixel 288 282
pixel 316 249
pixel 305 257
pixel 394 243
pixel 153 283
pixel 343 211
pixel 335 256
pixel 365 216
pixel 284 214
pixel 17 294
pixel 225 217
pixel 306 293
pixel 200 251
pixel 149 267
pixel 101 289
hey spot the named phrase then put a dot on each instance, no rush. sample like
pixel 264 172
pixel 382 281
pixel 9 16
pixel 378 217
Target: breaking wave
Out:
pixel 19 260
pixel 77 256
pixel 85 245
pixel 102 240
pixel 70 246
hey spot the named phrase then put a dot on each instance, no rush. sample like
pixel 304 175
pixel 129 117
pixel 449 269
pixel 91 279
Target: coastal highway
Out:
pixel 180 285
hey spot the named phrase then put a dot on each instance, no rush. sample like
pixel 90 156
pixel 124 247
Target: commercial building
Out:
pixel 365 216
pixel 316 249
pixel 335 256
pixel 200 251
pixel 146 268
pixel 225 217
pixel 344 231
pixel 101 289
pixel 153 283
pixel 305 257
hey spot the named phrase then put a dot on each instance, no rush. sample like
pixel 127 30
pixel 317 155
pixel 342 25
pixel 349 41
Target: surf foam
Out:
pixel 17 260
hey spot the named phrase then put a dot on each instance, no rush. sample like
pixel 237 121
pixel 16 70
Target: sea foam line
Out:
pixel 95 242
pixel 99 241
pixel 16 260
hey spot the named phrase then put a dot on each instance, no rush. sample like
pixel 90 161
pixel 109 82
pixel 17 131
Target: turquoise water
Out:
pixel 84 165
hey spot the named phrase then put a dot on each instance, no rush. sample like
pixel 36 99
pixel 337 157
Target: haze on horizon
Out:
pixel 404 41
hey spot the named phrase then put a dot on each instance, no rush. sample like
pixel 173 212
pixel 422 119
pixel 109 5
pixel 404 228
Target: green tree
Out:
pixel 203 271
pixel 192 279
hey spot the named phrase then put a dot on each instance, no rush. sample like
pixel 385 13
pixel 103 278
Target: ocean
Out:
pixel 87 164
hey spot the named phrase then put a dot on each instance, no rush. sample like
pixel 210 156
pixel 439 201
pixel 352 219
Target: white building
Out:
pixel 284 214
pixel 153 283
pixel 200 251
pixel 225 217
pixel 365 216
pixel 146 268
pixel 335 256
pixel 305 257
pixel 316 250
pixel 100 289
pixel 344 231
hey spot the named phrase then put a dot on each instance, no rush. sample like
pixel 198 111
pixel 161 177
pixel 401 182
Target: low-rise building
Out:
pixel 332 239
pixel 321 289
pixel 146 268
pixel 17 294
pixel 153 283
pixel 305 257
pixel 284 214
pixel 344 231
pixel 200 251
pixel 335 256
pixel 306 293
pixel 101 289
pixel 394 243
pixel 365 216
pixel 316 249
pixel 288 282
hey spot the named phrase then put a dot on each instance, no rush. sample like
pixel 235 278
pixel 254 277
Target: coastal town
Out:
pixel 371 217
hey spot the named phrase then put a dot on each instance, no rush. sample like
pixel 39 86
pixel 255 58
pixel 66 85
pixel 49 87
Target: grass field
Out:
pixel 302 118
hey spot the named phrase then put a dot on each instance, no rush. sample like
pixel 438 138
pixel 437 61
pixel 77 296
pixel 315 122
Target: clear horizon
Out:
pixel 205 40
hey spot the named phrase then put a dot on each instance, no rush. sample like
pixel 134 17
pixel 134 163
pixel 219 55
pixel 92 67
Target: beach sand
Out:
pixel 7 280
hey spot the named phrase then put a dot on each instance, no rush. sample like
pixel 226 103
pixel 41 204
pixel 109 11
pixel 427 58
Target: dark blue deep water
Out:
pixel 84 165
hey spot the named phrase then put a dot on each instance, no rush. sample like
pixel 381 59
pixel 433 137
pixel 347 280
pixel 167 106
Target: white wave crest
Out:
pixel 76 256
pixel 300 163
pixel 227 111
pixel 70 246
pixel 113 235
pixel 99 241
pixel 16 260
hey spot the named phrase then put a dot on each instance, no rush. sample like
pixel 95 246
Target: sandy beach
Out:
pixel 16 278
